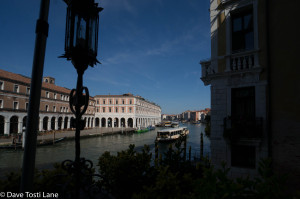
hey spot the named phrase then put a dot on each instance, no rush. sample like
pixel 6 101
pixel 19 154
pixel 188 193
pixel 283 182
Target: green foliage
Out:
pixel 125 173
pixel 11 182
pixel 216 184
pixel 131 174
pixel 167 185
pixel 44 180
pixel 269 186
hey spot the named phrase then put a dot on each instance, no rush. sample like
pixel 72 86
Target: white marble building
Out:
pixel 125 110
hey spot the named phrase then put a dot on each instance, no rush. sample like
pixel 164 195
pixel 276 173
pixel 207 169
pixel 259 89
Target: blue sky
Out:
pixel 150 48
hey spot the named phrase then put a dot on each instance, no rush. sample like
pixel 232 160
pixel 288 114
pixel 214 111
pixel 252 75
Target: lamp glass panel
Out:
pixel 80 32
pixel 92 35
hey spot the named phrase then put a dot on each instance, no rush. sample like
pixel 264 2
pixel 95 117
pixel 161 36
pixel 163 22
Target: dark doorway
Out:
pixel 2 125
pixel 14 120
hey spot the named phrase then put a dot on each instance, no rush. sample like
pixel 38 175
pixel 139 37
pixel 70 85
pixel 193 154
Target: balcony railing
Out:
pixel 242 61
pixel 237 128
pixel 206 71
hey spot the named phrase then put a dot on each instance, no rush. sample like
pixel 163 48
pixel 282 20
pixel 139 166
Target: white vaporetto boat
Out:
pixel 171 134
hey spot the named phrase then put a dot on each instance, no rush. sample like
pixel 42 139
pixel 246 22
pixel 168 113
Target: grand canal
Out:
pixel 92 148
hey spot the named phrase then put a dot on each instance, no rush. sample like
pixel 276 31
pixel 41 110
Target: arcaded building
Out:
pixel 103 111
pixel 55 113
pixel 125 110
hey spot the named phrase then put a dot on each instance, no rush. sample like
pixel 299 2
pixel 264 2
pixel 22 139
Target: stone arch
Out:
pixel 109 122
pixel 123 122
pixel 2 122
pixel 53 123
pixel 84 122
pixel 24 121
pixel 116 122
pixel 59 124
pixel 97 122
pixel 14 121
pixel 103 122
pixel 72 125
pixel 66 123
pixel 130 122
pixel 89 122
pixel 45 123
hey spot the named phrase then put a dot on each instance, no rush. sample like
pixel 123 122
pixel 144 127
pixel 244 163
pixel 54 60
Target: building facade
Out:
pixel 252 74
pixel 55 113
pixel 125 110
pixel 238 86
pixel 169 117
pixel 103 110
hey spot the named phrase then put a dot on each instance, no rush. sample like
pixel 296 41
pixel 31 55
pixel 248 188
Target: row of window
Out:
pixel 150 110
pixel 47 107
pixel 110 101
pixel 147 105
pixel 62 97
pixel 109 110
pixel 16 89
pixel 15 105
pixel 62 109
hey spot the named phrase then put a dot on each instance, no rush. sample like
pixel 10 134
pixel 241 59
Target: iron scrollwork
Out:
pixel 81 178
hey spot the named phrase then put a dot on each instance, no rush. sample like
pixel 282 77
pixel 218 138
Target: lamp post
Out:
pixel 81 42
pixel 30 136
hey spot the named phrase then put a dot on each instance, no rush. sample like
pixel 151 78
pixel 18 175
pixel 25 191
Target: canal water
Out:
pixel 92 148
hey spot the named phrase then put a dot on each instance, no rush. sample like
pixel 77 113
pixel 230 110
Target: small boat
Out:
pixel 168 124
pixel 175 124
pixel 171 134
pixel 50 142
pixel 142 130
pixel 42 143
pixel 151 127
pixel 161 124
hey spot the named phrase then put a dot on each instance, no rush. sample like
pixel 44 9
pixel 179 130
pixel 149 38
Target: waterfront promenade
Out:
pixel 70 134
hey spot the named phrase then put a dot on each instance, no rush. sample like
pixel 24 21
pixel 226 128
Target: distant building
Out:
pixel 164 116
pixel 194 115
pixel 186 115
pixel 169 117
pixel 198 115
pixel 103 110
pixel 125 110
pixel 254 82
pixel 55 113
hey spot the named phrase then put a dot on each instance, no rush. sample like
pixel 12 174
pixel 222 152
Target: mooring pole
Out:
pixel 201 146
pixel 156 153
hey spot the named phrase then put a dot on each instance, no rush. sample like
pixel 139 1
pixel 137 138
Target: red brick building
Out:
pixel 55 113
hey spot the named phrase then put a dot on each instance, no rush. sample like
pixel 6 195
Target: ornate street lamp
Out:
pixel 81 42
pixel 81 39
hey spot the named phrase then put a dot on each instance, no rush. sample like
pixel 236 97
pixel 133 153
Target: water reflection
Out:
pixel 92 148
